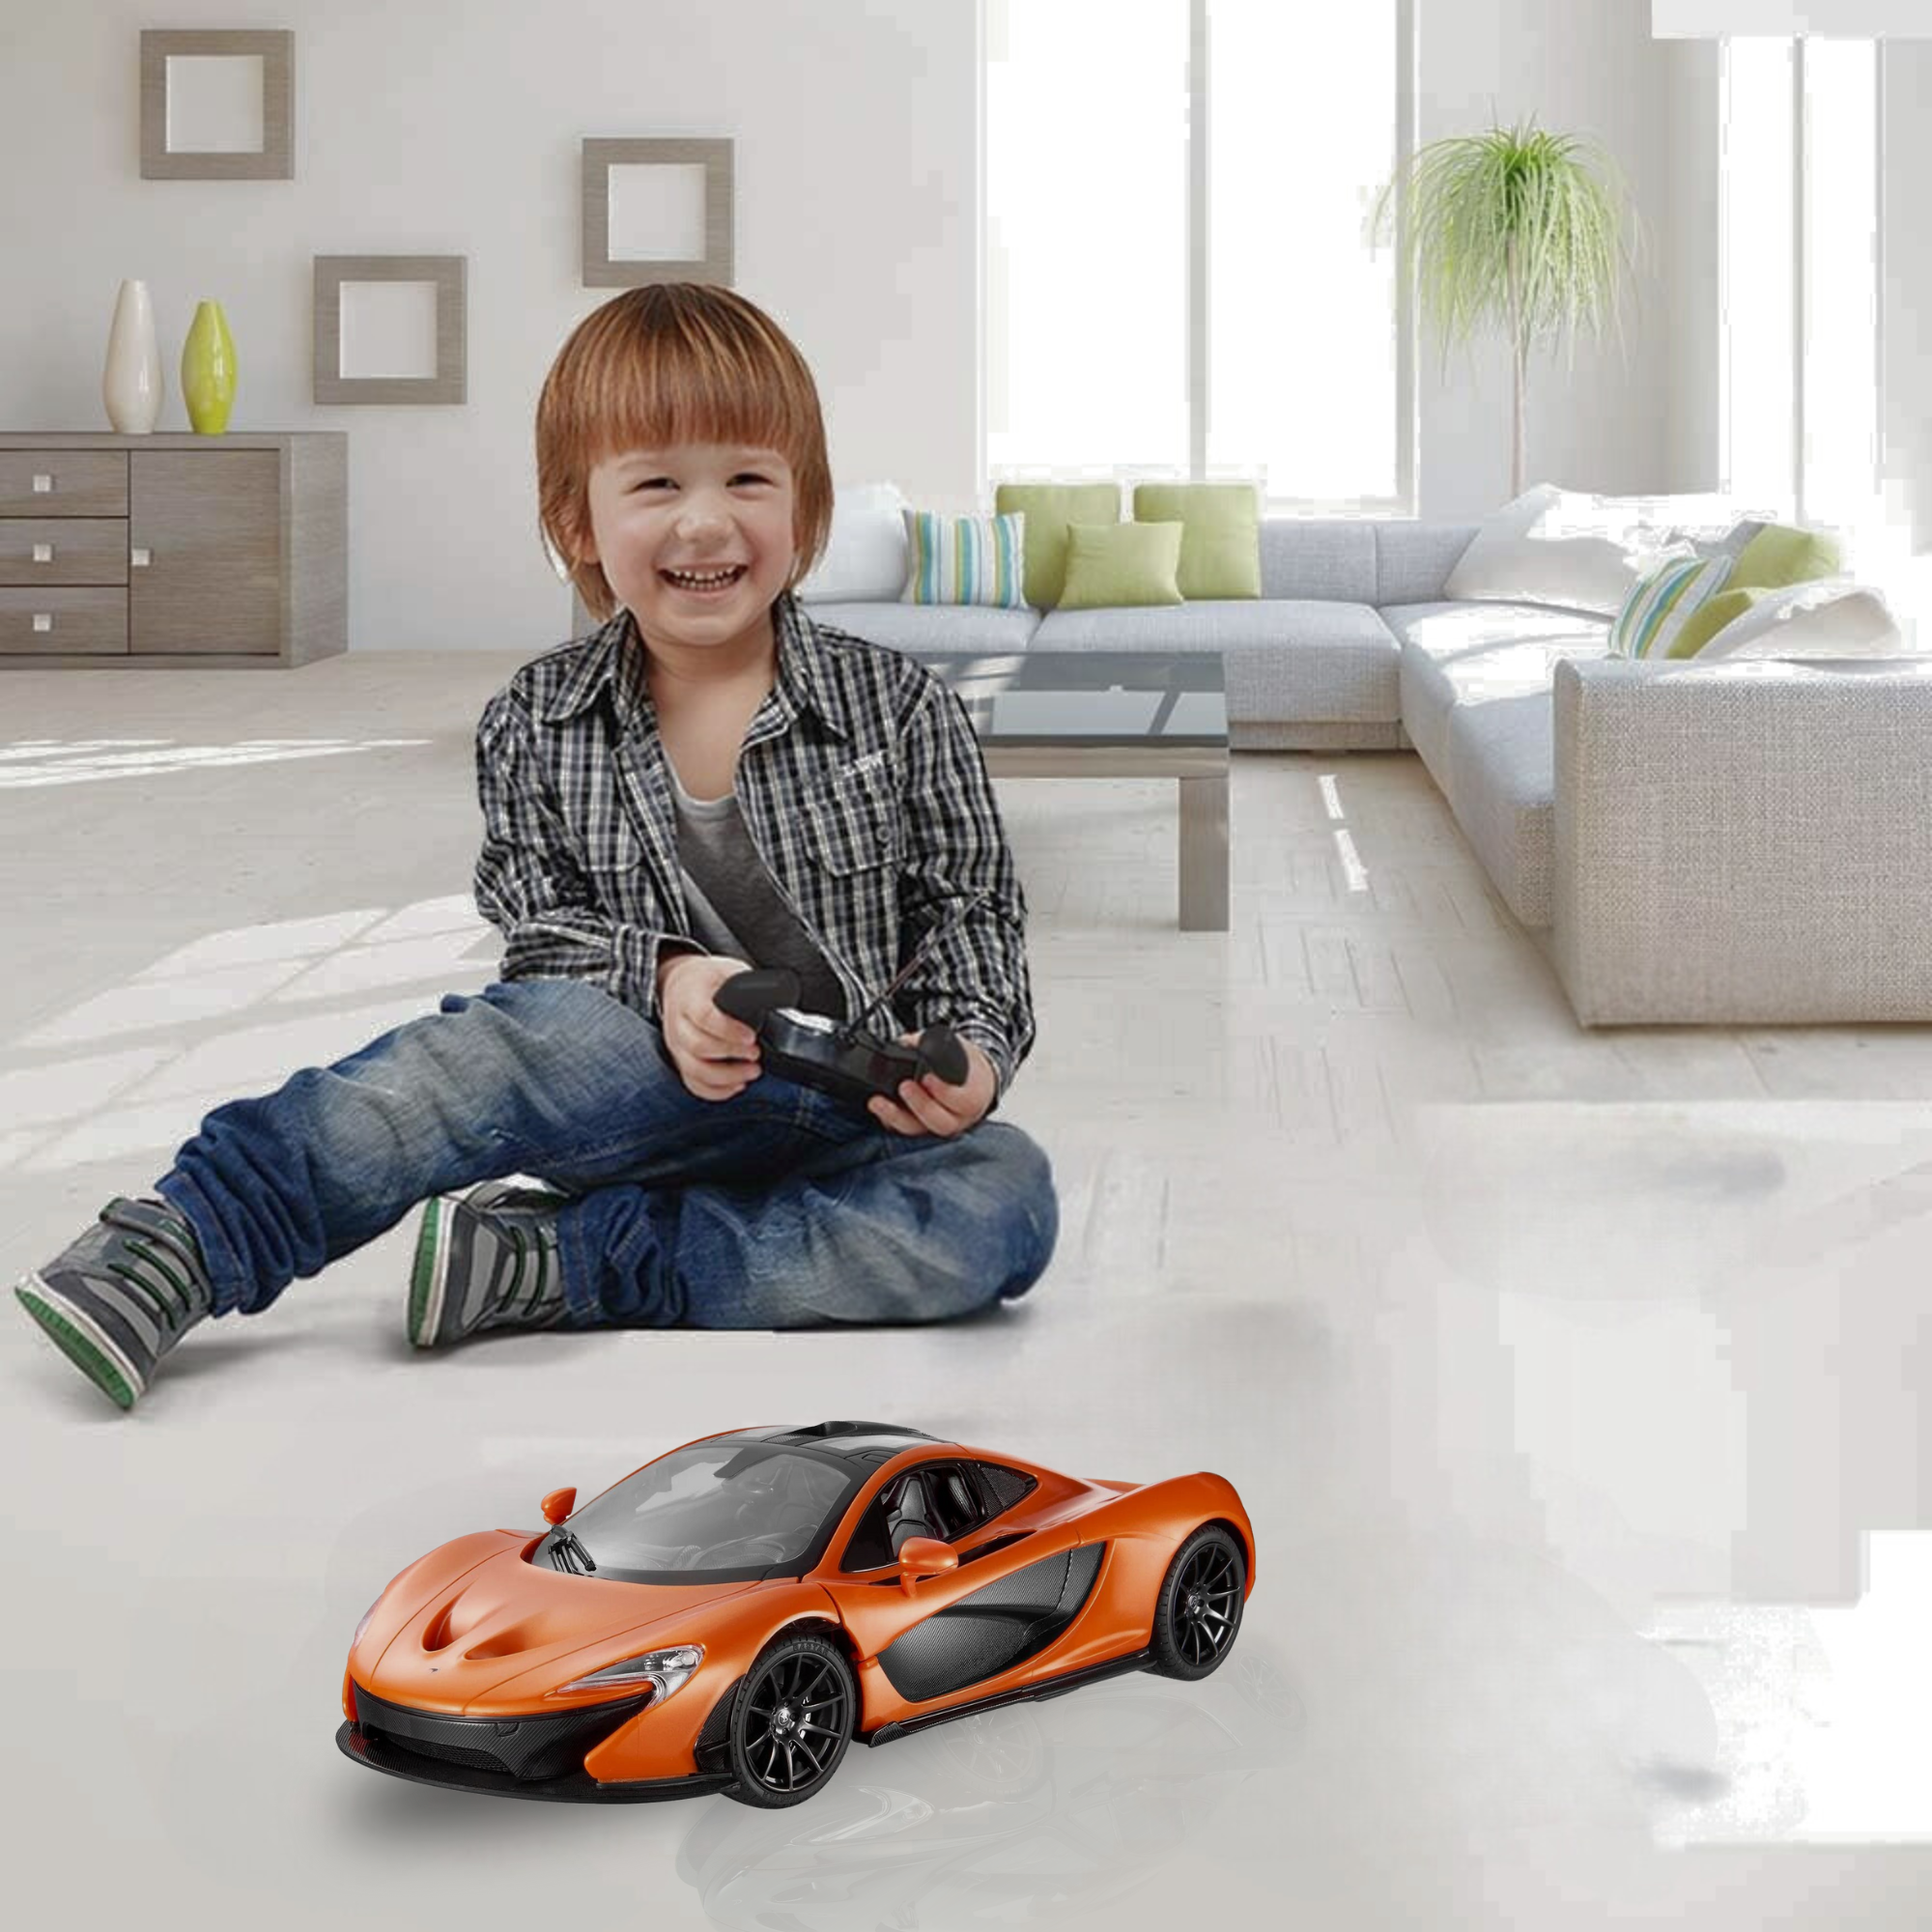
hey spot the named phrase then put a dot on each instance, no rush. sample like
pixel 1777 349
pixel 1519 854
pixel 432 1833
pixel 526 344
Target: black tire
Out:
pixel 791 1719
pixel 1197 1613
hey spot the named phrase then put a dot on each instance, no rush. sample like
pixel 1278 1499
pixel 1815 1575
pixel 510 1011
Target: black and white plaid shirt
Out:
pixel 858 778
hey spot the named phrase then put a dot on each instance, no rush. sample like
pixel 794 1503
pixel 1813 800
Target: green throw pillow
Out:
pixel 1221 534
pixel 1781 554
pixel 1048 509
pixel 1120 563
pixel 1712 616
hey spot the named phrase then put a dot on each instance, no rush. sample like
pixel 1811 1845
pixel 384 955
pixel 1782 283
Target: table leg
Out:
pixel 1203 854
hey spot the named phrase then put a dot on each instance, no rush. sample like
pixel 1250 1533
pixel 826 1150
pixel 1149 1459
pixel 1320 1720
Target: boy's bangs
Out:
pixel 662 405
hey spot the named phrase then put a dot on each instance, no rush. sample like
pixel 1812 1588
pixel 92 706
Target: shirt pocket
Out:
pixel 616 872
pixel 852 824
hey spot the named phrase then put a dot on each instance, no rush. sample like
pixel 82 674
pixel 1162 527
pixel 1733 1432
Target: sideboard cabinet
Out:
pixel 173 550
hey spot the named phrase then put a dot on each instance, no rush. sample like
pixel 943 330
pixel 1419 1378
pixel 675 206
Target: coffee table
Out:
pixel 1114 715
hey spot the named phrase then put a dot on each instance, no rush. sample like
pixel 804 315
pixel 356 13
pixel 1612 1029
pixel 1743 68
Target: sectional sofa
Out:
pixel 1726 843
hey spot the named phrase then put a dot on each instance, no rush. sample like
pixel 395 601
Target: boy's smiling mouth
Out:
pixel 703 584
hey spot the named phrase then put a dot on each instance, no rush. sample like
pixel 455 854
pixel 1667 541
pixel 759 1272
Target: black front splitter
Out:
pixel 577 1788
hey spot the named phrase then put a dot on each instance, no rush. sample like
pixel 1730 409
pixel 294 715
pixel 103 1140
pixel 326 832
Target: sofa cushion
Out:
pixel 964 560
pixel 1563 549
pixel 864 550
pixel 1452 651
pixel 1320 557
pixel 933 627
pixel 1284 660
pixel 1502 771
pixel 1048 509
pixel 1121 566
pixel 1665 615
pixel 1476 704
pixel 1831 618
pixel 1777 554
pixel 1414 559
pixel 1220 540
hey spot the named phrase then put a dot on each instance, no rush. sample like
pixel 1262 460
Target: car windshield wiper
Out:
pixel 566 1542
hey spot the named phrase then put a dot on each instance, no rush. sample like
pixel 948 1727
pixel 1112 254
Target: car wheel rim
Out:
pixel 1206 1597
pixel 797 1720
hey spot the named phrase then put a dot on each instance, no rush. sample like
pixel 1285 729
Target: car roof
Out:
pixel 870 1443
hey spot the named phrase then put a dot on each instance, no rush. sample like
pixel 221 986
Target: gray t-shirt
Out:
pixel 735 906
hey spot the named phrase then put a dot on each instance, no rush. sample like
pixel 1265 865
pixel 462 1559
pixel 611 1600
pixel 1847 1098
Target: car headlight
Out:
pixel 668 1670
pixel 364 1624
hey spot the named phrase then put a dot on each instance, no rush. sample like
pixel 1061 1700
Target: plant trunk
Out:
pixel 1519 355
pixel 1517 463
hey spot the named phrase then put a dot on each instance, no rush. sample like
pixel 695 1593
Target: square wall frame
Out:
pixel 600 156
pixel 276 48
pixel 450 383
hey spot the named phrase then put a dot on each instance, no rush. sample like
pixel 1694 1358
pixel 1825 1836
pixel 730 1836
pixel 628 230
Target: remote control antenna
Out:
pixel 919 951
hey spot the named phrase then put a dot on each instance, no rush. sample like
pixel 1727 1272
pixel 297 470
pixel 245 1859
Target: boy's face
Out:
pixel 697 507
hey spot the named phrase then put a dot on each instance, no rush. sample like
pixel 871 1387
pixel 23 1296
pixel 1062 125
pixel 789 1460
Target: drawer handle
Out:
pixel 44 621
pixel 43 552
pixel 44 485
pixel 140 558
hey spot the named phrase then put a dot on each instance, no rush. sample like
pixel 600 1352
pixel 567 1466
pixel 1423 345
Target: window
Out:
pixel 936 1499
pixel 1176 279
pixel 1799 276
pixel 1003 1486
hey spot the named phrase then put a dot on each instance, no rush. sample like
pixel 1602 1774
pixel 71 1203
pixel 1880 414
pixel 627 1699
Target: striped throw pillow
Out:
pixel 1663 601
pixel 965 559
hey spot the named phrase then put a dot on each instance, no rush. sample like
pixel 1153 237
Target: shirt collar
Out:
pixel 611 659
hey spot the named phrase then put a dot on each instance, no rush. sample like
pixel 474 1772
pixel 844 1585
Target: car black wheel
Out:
pixel 792 1719
pixel 1199 1610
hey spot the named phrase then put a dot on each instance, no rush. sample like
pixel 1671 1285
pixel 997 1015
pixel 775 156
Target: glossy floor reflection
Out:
pixel 1004 1818
pixel 1574 1383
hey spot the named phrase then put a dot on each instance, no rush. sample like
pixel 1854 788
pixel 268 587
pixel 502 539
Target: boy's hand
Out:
pixel 931 1106
pixel 716 1057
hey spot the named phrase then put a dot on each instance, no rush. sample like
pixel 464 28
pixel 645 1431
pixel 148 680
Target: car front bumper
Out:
pixel 527 1757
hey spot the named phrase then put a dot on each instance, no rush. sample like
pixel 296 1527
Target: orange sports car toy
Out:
pixel 732 1615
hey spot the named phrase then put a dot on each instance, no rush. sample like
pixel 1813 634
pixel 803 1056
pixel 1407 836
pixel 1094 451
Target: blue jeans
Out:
pixel 779 1207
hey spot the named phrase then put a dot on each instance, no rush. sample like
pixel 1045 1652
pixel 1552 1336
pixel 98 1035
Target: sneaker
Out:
pixel 116 1300
pixel 487 1260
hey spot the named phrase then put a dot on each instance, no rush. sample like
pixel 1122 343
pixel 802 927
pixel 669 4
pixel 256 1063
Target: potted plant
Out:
pixel 1516 226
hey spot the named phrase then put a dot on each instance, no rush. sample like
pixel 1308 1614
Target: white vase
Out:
pixel 131 385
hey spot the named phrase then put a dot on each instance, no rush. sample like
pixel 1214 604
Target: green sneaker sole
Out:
pixel 80 1348
pixel 428 1275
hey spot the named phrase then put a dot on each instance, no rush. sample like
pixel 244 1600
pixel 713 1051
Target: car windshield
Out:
pixel 717 1512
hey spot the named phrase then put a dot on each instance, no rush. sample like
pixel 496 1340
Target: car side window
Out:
pixel 1003 1486
pixel 935 1500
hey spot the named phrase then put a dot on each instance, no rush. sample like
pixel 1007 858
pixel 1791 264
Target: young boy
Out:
pixel 706 781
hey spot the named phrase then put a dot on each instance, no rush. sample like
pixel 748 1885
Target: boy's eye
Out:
pixel 744 476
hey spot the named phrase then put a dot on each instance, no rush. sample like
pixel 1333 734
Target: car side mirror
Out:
pixel 558 1504
pixel 924 1556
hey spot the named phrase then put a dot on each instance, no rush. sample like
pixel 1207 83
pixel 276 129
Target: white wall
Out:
pixel 1589 69
pixel 451 127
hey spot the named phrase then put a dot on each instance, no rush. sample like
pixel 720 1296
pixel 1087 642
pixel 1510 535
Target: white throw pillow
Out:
pixel 1567 550
pixel 865 561
pixel 1830 617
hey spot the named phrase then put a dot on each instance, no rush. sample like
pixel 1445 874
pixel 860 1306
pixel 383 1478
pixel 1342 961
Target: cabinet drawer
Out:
pixel 63 549
pixel 63 482
pixel 74 621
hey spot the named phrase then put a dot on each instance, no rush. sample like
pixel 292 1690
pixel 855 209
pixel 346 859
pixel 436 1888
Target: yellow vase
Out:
pixel 208 370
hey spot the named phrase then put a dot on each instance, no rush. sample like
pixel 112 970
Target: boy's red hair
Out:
pixel 670 363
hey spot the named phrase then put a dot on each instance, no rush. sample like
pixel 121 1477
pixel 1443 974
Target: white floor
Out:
pixel 1572 1381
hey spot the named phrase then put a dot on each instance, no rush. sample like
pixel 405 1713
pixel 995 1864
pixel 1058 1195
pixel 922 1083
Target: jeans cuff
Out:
pixel 227 1279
